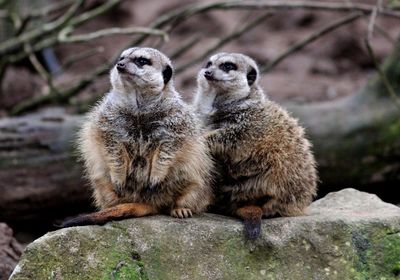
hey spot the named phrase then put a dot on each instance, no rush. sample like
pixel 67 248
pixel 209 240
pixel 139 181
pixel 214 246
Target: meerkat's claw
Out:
pixel 181 213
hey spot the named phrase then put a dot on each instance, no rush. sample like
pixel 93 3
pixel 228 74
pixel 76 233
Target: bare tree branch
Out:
pixel 82 18
pixel 311 38
pixel 175 17
pixel 49 9
pixel 16 42
pixel 371 24
pixel 37 65
pixel 190 10
pixel 64 37
pixel 52 40
pixel 313 5
pixel 382 74
pixel 185 47
pixel 81 56
pixel 223 41
pixel 59 96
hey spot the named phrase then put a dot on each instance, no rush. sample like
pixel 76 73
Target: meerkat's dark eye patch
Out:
pixel 121 58
pixel 167 74
pixel 227 66
pixel 251 76
pixel 142 61
pixel 208 64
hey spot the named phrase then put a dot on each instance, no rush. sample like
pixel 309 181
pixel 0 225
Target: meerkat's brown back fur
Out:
pixel 264 163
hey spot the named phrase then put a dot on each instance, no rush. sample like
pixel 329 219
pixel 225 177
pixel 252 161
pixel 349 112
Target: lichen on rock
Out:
pixel 346 235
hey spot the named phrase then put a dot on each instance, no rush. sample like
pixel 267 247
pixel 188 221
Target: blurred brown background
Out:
pixel 40 179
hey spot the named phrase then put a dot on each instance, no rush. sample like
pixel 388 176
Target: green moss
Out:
pixel 93 255
pixel 393 132
pixel 381 258
pixel 396 269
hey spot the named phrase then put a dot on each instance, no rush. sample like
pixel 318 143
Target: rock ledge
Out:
pixel 347 235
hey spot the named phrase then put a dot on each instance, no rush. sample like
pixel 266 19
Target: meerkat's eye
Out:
pixel 227 66
pixel 142 61
pixel 121 58
pixel 208 64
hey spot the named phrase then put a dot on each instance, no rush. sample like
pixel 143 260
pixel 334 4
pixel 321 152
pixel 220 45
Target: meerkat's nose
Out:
pixel 121 66
pixel 208 75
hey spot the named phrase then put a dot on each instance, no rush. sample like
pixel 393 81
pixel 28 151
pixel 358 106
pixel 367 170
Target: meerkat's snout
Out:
pixel 208 75
pixel 121 67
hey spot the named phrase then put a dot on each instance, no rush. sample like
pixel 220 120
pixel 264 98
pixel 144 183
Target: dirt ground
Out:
pixel 334 66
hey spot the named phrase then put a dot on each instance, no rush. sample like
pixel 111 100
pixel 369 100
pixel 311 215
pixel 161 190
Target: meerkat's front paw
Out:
pixel 154 181
pixel 157 176
pixel 181 213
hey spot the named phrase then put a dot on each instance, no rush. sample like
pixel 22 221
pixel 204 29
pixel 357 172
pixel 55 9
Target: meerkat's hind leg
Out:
pixel 275 208
pixel 251 216
pixel 270 208
pixel 118 212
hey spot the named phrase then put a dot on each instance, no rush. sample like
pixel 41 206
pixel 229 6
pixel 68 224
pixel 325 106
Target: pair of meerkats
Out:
pixel 147 152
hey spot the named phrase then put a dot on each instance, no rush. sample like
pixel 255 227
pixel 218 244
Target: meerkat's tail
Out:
pixel 117 212
pixel 251 216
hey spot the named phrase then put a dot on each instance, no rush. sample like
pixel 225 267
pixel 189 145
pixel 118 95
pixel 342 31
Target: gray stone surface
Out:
pixel 346 235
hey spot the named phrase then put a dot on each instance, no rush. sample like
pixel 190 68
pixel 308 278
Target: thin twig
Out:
pixel 53 40
pixel 82 18
pixel 64 36
pixel 312 5
pixel 49 9
pixel 382 74
pixel 81 56
pixel 41 13
pixel 371 24
pixel 40 69
pixel 223 41
pixel 379 29
pixel 177 16
pixel 40 31
pixel 36 64
pixel 57 97
pixel 311 38
pixel 185 47
pixel 385 34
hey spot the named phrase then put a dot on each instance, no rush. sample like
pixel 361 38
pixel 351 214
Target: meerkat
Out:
pixel 264 165
pixel 142 146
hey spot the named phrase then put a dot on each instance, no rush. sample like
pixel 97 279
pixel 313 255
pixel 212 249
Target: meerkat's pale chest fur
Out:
pixel 263 160
pixel 142 146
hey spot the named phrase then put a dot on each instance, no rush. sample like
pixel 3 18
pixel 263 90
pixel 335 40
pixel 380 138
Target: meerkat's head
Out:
pixel 143 70
pixel 229 73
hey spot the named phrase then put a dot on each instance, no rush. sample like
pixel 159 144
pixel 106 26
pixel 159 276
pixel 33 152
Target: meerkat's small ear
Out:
pixel 251 76
pixel 167 74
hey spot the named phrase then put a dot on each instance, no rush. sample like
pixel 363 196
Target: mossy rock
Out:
pixel 346 235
